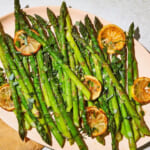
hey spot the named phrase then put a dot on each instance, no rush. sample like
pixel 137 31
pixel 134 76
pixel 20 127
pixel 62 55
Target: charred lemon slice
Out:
pixel 141 90
pixel 93 85
pixel 97 120
pixel 112 37
pixel 25 44
pixel 5 98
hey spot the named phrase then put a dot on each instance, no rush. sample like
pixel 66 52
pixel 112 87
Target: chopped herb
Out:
pixel 128 117
pixel 31 100
pixel 31 94
pixel 30 105
pixel 148 85
pixel 109 97
pixel 94 129
pixel 94 114
pixel 77 23
pixel 11 77
pixel 18 52
pixel 15 83
pixel 24 38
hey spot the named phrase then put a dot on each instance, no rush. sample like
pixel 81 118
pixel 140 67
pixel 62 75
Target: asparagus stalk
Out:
pixel 74 131
pixel 124 97
pixel 58 59
pixel 98 25
pixel 77 52
pixel 63 48
pixel 98 72
pixel 45 111
pixel 75 47
pixel 130 60
pixel 53 42
pixel 132 65
pixel 35 26
pixel 26 65
pixel 17 8
pixel 18 23
pixel 39 126
pixel 130 74
pixel 46 85
pixel 46 27
pixel 82 105
pixel 83 51
pixel 2 77
pixel 17 76
pixel 44 80
pixel 18 110
pixel 21 69
pixel 54 22
pixel 74 92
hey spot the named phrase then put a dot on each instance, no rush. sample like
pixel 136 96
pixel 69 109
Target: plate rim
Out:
pixel 70 9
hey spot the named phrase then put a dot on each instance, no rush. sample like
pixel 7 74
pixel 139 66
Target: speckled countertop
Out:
pixel 119 12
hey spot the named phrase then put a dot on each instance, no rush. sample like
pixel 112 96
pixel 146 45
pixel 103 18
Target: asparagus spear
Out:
pixel 45 111
pixel 2 77
pixel 58 59
pixel 18 23
pixel 19 114
pixel 61 38
pixel 53 20
pixel 77 52
pixel 98 25
pixel 54 105
pixel 120 90
pixel 75 47
pixel 130 60
pixel 98 72
pixel 46 27
pixel 39 126
pixel 21 69
pixel 63 48
pixel 82 107
pixel 109 75
pixel 17 8
pixel 46 86
pixel 84 52
pixel 52 41
pixel 132 65
pixel 130 74
pixel 74 92
pixel 18 78
pixel 74 131
pixel 111 125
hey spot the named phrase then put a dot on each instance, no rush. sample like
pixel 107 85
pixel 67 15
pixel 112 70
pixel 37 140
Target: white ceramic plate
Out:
pixel 143 59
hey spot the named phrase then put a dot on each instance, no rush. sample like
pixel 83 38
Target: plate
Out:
pixel 143 59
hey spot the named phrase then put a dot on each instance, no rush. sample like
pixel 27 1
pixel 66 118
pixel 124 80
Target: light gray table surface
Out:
pixel 119 12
